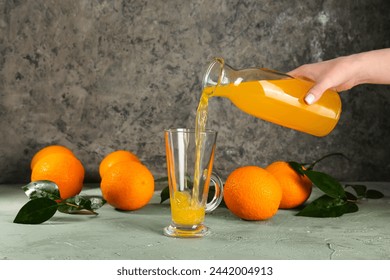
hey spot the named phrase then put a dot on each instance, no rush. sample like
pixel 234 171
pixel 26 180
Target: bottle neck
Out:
pixel 219 73
pixel 214 74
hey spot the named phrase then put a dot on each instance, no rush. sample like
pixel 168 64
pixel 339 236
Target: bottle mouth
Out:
pixel 214 73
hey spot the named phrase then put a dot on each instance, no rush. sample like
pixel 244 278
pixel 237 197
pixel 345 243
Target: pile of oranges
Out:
pixel 255 193
pixel 250 192
pixel 126 183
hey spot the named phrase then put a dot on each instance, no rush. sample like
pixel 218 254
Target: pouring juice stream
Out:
pixel 200 127
pixel 185 207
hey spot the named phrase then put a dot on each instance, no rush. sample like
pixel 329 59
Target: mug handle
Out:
pixel 218 195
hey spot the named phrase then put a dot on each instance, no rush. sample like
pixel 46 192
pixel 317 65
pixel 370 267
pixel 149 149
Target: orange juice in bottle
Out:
pixel 274 97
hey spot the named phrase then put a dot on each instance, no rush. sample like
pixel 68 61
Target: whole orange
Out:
pixel 127 185
pixel 296 189
pixel 63 169
pixel 252 193
pixel 53 149
pixel 115 157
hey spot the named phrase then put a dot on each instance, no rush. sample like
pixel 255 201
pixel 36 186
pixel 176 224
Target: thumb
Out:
pixel 314 94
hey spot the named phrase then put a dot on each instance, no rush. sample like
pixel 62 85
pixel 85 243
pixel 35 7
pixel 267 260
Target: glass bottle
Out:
pixel 274 97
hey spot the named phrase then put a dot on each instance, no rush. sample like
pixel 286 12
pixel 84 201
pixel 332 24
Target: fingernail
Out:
pixel 309 99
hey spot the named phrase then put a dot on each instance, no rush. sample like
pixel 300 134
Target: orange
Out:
pixel 252 193
pixel 296 188
pixel 63 169
pixel 47 151
pixel 127 185
pixel 115 157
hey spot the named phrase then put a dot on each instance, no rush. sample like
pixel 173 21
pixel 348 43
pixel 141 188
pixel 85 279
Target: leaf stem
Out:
pixel 80 208
pixel 311 166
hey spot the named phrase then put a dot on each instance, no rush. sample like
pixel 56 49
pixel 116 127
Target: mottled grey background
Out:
pixel 98 76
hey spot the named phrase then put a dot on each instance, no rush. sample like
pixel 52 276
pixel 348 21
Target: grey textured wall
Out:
pixel 98 76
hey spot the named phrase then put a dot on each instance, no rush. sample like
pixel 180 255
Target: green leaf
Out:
pixel 36 211
pixel 351 196
pixel 359 189
pixel 44 188
pixel 81 205
pixel 374 194
pixel 96 202
pixel 326 183
pixel 297 167
pixel 326 206
pixel 164 195
pixel 336 200
pixel 350 207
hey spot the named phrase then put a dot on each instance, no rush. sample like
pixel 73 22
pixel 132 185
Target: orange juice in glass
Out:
pixel 189 180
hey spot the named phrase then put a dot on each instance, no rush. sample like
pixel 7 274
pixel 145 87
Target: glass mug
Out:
pixel 188 203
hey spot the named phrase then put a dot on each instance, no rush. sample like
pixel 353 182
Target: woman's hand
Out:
pixel 345 72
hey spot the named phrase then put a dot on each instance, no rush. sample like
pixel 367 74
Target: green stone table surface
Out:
pixel 138 234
